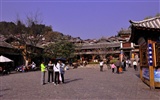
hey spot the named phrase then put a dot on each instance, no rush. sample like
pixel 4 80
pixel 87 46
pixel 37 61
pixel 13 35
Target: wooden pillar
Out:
pixel 141 73
pixel 93 57
pixel 151 75
pixel 151 69
pixel 140 65
pixel 101 57
pixel 154 55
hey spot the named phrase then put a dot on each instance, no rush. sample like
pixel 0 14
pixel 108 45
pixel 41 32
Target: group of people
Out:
pixel 27 67
pixel 55 72
pixel 5 69
pixel 121 66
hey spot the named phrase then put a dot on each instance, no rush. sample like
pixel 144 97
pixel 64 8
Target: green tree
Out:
pixel 7 28
pixel 61 48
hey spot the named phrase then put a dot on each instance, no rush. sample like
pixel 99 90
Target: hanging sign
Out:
pixel 150 59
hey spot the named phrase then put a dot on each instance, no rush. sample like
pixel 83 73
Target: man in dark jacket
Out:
pixel 50 71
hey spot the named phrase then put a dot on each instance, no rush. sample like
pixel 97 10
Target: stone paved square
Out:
pixel 80 84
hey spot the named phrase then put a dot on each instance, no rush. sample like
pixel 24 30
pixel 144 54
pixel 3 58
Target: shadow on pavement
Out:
pixel 138 75
pixel 4 90
pixel 68 80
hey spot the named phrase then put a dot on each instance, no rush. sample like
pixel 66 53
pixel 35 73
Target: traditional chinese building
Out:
pixel 127 48
pixel 94 50
pixel 146 34
pixel 11 52
pixel 27 51
pixel 97 51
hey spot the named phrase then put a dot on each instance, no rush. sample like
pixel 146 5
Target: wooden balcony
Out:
pixel 94 52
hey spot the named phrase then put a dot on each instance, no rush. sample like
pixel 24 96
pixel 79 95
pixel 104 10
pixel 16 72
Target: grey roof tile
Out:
pixel 5 44
pixel 148 23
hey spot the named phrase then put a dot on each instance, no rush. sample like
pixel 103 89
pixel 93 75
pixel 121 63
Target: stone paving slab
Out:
pixel 80 84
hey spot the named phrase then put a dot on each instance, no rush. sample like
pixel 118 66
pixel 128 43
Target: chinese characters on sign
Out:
pixel 150 60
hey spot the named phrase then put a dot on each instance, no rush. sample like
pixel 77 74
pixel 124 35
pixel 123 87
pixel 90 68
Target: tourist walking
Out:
pixel 129 63
pixel 62 66
pixel 50 72
pixel 43 70
pixel 101 65
pixel 113 67
pixel 118 64
pixel 135 65
pixel 124 65
pixel 57 73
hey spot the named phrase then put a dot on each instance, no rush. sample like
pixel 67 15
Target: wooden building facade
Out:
pixel 19 53
pixel 11 52
pixel 146 34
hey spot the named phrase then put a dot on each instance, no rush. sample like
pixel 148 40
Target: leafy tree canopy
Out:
pixel 61 48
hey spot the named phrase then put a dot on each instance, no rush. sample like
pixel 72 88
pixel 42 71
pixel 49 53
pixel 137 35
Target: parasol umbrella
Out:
pixel 61 59
pixel 5 59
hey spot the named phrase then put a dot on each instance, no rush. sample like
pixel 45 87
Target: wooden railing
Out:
pixel 94 52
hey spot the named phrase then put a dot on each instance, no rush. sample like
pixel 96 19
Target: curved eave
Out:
pixel 134 38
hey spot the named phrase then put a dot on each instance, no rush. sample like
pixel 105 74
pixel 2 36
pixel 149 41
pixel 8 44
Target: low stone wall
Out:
pixel 95 66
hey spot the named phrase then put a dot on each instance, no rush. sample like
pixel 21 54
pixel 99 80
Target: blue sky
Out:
pixel 88 19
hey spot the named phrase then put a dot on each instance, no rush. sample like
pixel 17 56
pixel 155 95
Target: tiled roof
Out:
pixel 148 23
pixel 100 45
pixel 5 44
pixel 125 31
pixel 2 38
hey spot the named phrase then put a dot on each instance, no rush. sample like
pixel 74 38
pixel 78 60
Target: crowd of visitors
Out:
pixel 119 66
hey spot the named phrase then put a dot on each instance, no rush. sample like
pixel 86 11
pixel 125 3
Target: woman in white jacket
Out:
pixel 62 72
pixel 57 72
